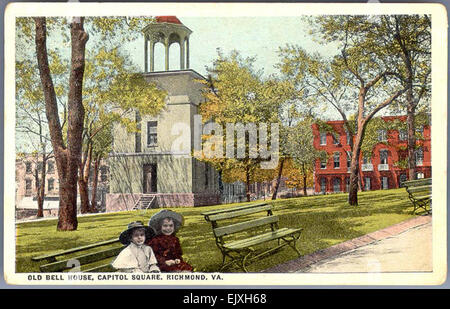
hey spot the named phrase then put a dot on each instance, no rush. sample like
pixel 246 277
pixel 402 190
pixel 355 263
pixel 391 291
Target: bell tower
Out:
pixel 166 30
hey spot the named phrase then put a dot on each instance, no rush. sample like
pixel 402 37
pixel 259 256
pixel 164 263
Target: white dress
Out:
pixel 136 259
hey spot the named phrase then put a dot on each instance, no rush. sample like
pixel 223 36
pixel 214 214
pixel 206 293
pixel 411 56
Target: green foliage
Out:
pixel 235 93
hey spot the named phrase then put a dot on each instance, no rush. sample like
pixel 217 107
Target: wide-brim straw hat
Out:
pixel 165 213
pixel 125 236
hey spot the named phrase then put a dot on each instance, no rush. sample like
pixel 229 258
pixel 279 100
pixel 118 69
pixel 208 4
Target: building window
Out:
pixel 51 184
pixel 419 175
pixel 349 159
pixel 28 167
pixel 336 185
pixel 335 139
pixel 401 180
pixel 419 130
pixel 382 135
pixel 323 185
pixel 336 159
pixel 50 166
pixel 367 185
pixel 152 139
pixel 103 173
pixel 367 160
pixel 347 184
pixel 28 183
pixel 384 183
pixel 323 138
pixel 39 166
pixel 383 156
pixel 419 156
pixel 323 164
pixel 402 135
pixel 348 137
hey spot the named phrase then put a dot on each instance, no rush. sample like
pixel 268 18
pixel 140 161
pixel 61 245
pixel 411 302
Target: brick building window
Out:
pixel 50 167
pixel 39 166
pixel 323 138
pixel 28 167
pixel 382 135
pixel 336 185
pixel 367 185
pixel 402 135
pixel 383 156
pixel 51 184
pixel 419 156
pixel 384 183
pixel 323 164
pixel 323 185
pixel 28 184
pixel 152 137
pixel 336 159
pixel 335 139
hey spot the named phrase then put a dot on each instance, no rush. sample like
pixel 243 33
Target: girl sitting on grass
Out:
pixel 165 244
pixel 136 257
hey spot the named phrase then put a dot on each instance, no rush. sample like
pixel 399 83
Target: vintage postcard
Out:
pixel 251 144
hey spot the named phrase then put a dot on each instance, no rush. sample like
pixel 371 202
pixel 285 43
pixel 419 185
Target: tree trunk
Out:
pixel 410 118
pixel 277 184
pixel 304 179
pixel 247 182
pixel 67 159
pixel 41 189
pixel 83 179
pixel 94 186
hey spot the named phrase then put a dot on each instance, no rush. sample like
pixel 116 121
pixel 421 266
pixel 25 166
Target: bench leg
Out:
pixel 293 243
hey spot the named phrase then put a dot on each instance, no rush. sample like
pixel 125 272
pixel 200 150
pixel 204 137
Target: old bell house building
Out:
pixel 146 172
pixel 379 170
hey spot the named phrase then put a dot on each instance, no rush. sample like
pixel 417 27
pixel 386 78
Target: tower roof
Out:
pixel 168 19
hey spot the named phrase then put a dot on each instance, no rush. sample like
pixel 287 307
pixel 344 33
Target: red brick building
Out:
pixel 380 171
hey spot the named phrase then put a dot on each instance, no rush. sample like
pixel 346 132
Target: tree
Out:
pixel 409 39
pixel 236 96
pixel 362 68
pixel 299 146
pixel 109 31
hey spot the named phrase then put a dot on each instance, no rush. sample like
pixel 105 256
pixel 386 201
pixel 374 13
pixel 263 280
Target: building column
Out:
pixel 152 56
pixel 166 45
pixel 145 54
pixel 182 54
pixel 187 53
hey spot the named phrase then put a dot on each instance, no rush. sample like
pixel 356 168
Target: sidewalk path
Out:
pixel 406 246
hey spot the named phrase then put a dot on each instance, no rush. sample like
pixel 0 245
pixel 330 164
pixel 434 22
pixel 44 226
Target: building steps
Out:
pixel 146 201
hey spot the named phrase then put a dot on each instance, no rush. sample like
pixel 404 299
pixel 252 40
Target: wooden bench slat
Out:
pixel 239 213
pixel 418 182
pixel 73 250
pixel 214 212
pixel 261 238
pixel 82 260
pixel 238 227
pixel 419 189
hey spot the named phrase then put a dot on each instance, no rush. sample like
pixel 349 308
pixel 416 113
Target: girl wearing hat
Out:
pixel 136 257
pixel 165 244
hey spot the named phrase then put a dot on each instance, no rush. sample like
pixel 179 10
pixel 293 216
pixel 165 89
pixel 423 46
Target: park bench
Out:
pixel 419 192
pixel 242 241
pixel 95 257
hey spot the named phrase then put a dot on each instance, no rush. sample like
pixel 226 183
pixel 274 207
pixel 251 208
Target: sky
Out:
pixel 252 36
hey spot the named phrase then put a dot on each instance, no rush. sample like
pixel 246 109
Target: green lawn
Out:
pixel 326 220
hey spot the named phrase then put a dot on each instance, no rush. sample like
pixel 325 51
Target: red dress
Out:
pixel 167 247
